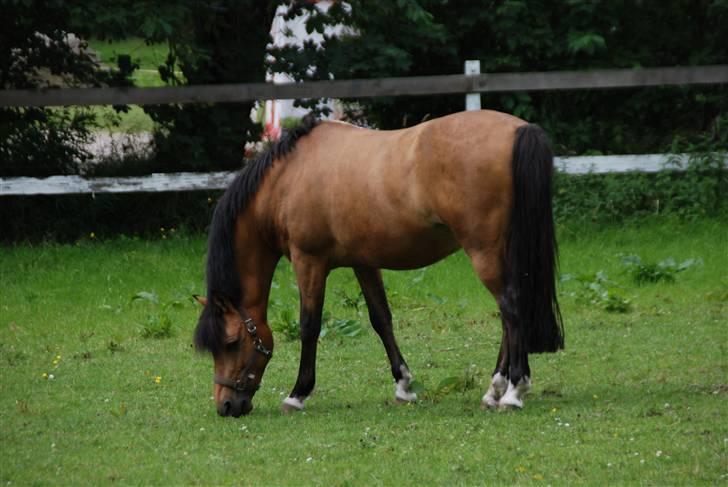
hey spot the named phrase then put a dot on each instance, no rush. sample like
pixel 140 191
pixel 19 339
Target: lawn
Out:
pixel 636 397
pixel 149 57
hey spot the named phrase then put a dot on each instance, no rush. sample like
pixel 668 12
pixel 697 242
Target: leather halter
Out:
pixel 242 383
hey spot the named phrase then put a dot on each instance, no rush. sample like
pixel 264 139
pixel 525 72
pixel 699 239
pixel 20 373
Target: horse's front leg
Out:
pixel 380 316
pixel 311 276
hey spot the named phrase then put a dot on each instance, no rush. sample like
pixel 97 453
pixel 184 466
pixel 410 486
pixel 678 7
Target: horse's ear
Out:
pixel 200 299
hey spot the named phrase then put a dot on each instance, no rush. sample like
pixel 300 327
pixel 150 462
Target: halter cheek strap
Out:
pixel 243 382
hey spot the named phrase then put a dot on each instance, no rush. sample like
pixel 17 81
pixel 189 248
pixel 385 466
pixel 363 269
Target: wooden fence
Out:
pixel 424 85
pixel 366 88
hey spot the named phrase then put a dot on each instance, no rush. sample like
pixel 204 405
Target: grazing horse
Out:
pixel 330 194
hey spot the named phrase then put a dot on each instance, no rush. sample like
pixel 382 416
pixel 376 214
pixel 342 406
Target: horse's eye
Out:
pixel 232 346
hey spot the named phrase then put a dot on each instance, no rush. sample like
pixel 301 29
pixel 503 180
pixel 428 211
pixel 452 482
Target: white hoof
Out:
pixel 513 398
pixel 402 392
pixel 291 404
pixel 496 390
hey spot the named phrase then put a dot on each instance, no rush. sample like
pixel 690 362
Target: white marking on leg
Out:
pixel 294 402
pixel 513 398
pixel 496 390
pixel 402 391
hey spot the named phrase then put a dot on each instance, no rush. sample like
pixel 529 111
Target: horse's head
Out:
pixel 240 351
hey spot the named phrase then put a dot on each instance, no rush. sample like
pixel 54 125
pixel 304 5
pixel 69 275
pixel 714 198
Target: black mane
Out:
pixel 223 282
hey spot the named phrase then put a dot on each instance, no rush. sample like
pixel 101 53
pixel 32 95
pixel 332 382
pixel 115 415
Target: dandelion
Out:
pixel 537 476
pixel 520 469
pixel 157 379
pixel 45 375
pixel 553 411
pixel 92 235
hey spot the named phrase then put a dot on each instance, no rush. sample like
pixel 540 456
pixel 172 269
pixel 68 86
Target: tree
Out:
pixel 220 42
pixel 425 37
pixel 37 50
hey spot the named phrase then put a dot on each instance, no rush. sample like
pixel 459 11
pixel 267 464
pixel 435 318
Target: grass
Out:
pixel 637 397
pixel 149 57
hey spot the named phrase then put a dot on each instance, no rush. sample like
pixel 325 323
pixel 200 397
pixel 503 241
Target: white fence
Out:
pixel 55 185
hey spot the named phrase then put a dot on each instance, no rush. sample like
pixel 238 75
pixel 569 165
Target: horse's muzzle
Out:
pixel 235 406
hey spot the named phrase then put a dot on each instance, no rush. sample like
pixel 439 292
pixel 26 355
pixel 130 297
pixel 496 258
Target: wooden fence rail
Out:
pixel 366 88
pixel 55 185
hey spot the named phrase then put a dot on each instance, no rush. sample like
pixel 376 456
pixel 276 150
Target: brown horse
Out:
pixel 330 195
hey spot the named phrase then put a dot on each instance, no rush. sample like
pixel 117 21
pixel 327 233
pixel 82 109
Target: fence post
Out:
pixel 472 100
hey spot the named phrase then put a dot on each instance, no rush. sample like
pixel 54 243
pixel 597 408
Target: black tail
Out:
pixel 223 282
pixel 531 251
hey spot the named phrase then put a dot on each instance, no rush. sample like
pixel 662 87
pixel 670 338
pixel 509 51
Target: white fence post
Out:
pixel 472 100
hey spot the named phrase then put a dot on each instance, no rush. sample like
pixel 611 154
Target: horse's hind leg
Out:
pixel 372 287
pixel 499 380
pixel 311 275
pixel 510 380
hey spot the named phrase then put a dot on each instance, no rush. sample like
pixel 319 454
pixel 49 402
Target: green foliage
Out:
pixel 37 52
pixel 336 328
pixel 210 44
pixel 598 290
pixel 471 378
pixel 429 37
pixel 286 325
pixel 158 323
pixel 649 272
pixel 698 189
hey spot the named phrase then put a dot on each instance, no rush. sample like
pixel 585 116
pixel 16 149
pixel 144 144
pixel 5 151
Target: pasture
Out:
pixel 100 383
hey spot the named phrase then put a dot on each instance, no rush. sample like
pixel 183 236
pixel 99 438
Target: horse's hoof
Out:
pixel 291 405
pixel 510 405
pixel 488 402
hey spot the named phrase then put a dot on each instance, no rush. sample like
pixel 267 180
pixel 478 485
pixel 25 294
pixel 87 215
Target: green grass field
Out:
pixel 149 57
pixel 636 397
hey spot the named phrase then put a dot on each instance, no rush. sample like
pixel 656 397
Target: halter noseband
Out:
pixel 242 383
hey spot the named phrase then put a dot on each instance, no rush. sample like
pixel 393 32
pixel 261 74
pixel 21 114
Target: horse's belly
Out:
pixel 402 249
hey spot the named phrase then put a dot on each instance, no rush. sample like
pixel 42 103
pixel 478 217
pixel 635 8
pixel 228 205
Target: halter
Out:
pixel 242 383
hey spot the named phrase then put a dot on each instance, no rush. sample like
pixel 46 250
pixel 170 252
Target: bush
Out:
pixel 699 188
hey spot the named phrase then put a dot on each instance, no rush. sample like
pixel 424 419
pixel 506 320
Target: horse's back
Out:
pixel 392 199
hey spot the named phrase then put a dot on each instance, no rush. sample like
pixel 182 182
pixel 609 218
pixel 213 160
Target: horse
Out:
pixel 330 194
